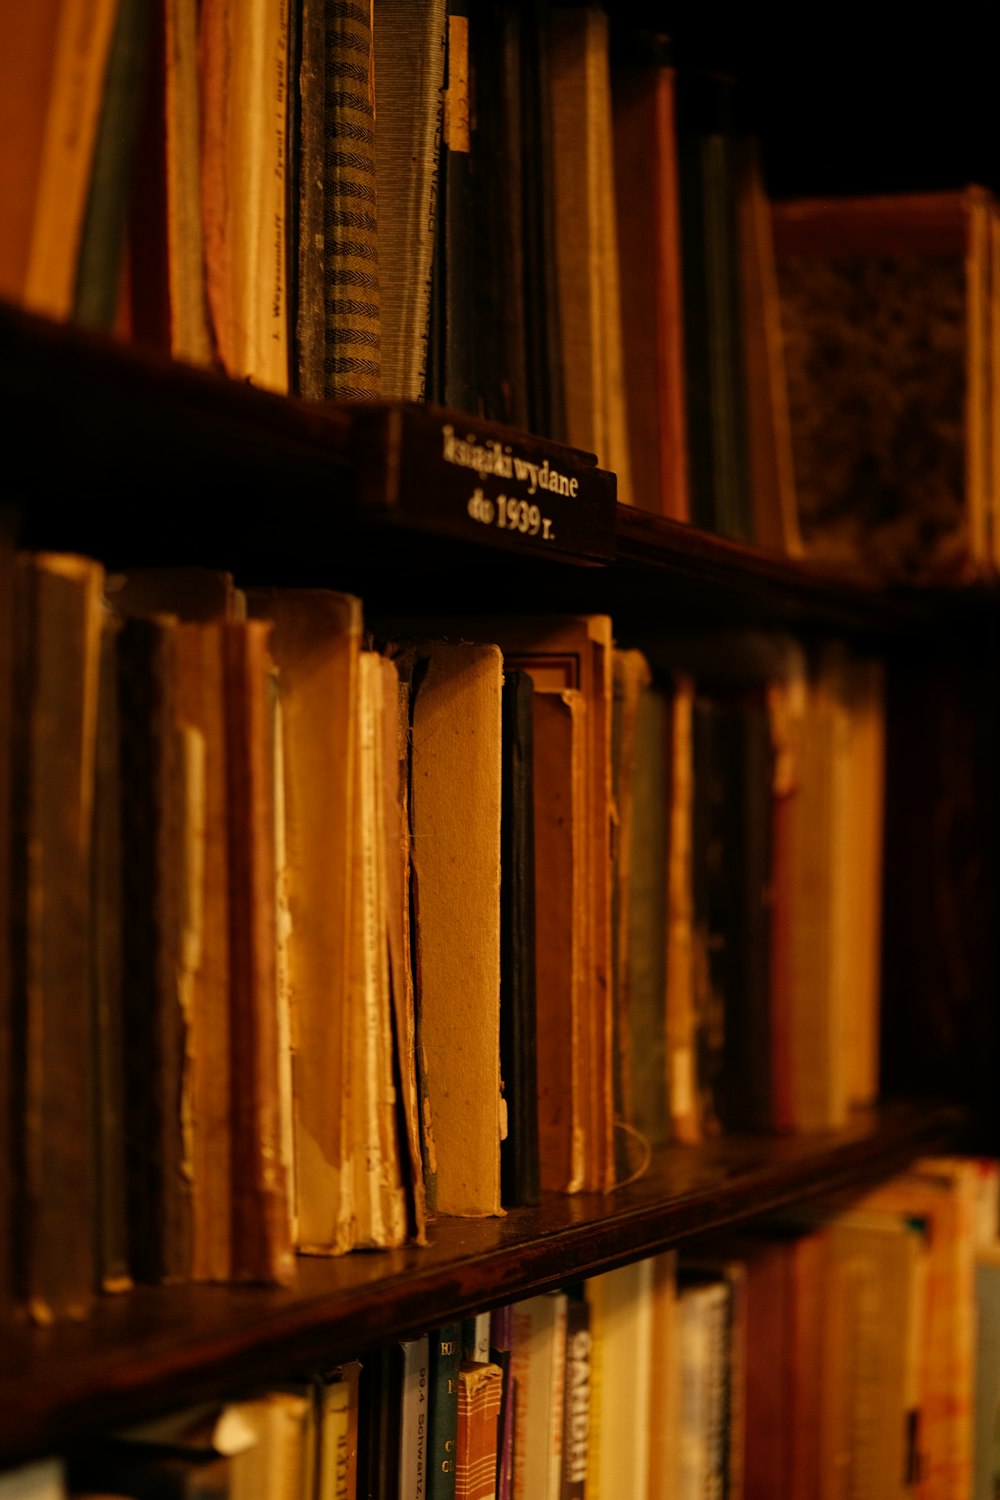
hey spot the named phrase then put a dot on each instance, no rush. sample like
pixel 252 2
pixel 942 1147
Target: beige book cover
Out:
pixel 316 643
pixel 455 815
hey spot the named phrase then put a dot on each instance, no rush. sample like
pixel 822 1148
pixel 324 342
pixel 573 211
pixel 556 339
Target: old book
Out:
pixel 773 502
pixel 414 1358
pixel 64 65
pixel 338 307
pixel 58 613
pixel 167 300
pixel 200 708
pixel 451 375
pixel 869 286
pixel 8 573
pixel 316 643
pixel 939 1194
pixel 576 1397
pixel 642 765
pixel 519 1153
pixel 479 1396
pixel 455 813
pixel 379 1207
pixel 160 778
pixel 560 914
pixel 502 1354
pixel 539 1371
pixel 703 1351
pixel 244 84
pixel 442 1434
pixel 621 1325
pixel 261 1224
pixel 337 1399
pixel 680 1009
pixel 586 245
pixel 570 655
pixel 664 1384
pixel 409 43
pixel 100 261
pixel 106 1001
pixel 713 321
pixel 647 203
pixel 280 1462
pixel 406 1069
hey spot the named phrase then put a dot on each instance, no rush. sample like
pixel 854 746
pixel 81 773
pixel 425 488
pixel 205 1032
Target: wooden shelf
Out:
pixel 184 465
pixel 159 1348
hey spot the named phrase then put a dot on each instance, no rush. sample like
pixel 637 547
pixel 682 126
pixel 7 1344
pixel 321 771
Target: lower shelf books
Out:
pixel 830 1351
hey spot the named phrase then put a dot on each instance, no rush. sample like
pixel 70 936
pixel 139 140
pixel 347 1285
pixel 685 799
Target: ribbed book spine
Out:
pixel 352 365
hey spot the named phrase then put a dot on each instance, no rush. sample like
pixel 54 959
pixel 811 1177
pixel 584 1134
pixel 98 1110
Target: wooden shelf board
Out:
pixel 155 1349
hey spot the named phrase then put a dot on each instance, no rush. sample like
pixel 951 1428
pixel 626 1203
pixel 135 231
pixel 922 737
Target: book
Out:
pixel 519 1152
pixel 337 1399
pixel 539 1372
pixel 71 54
pixel 663 1377
pixel 621 1327
pixel 703 1351
pixel 587 268
pixel 576 1397
pixel 987 1393
pixel 44 1479
pixel 379 1205
pixel 573 655
pixel 338 325
pixel 8 573
pixel 243 71
pixel 413 1418
pixel 647 203
pixel 97 291
pixel 442 1429
pixel 455 811
pixel 409 44
pixel 57 633
pixel 479 1398
pixel 884 309
pixel 715 368
pixel 316 642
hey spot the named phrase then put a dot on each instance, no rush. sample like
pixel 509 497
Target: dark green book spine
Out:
pixel 445 1358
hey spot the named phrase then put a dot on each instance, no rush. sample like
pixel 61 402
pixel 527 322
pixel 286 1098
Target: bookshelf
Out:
pixel 159 1348
pixel 119 453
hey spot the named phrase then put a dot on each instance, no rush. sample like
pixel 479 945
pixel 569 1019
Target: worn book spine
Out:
pixel 410 41
pixel 261 1226
pixel 8 573
pixel 105 977
pixel 154 796
pixel 576 1399
pixel 479 1396
pixel 339 284
pixel 519 1158
pixel 58 629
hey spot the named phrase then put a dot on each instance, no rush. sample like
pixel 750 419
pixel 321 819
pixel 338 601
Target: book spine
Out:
pixel 445 1358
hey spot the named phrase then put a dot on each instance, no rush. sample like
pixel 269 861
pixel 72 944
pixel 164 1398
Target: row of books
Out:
pixel 530 213
pixel 852 1348
pixel 369 934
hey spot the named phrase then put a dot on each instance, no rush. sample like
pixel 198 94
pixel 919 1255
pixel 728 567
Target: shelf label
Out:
pixel 444 472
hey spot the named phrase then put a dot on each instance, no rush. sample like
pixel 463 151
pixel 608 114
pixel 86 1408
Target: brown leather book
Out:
pixel 58 630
